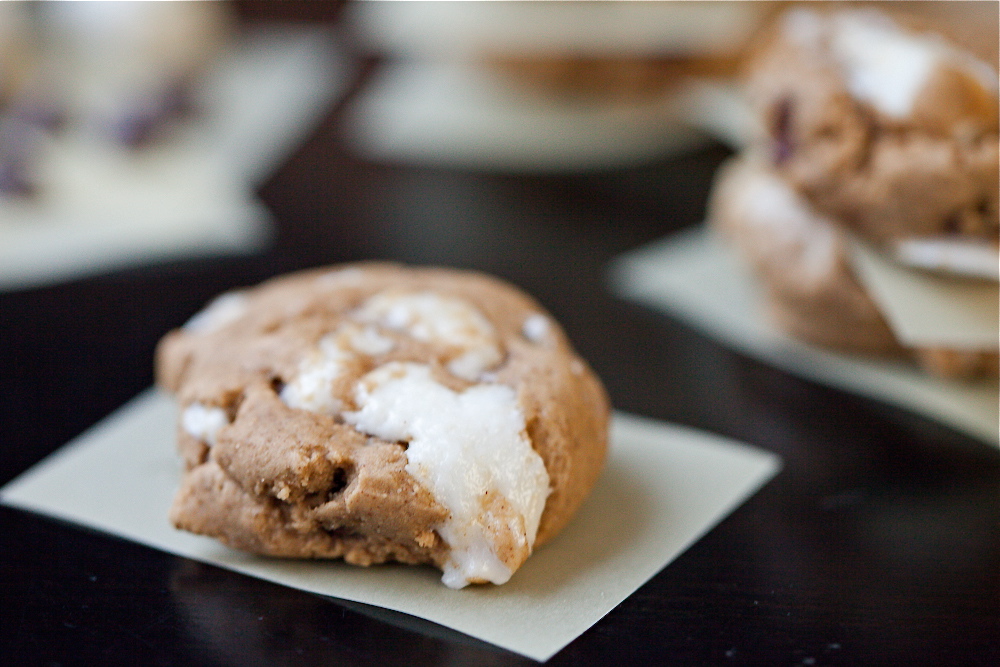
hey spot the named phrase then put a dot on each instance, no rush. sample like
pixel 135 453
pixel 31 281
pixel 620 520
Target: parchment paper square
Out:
pixel 930 309
pixel 663 488
pixel 693 275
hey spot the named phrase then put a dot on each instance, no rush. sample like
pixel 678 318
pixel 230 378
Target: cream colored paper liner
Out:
pixel 692 275
pixel 663 488
pixel 101 208
pixel 930 309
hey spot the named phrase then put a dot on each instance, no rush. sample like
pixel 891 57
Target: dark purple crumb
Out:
pixel 16 139
pixel 139 120
pixel 781 130
pixel 40 113
pixel 135 126
pixel 14 181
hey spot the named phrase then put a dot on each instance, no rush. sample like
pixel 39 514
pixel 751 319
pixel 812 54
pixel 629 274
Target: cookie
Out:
pixel 15 48
pixel 126 70
pixel 375 412
pixel 589 54
pixel 800 258
pixel 892 132
pixel 620 53
pixel 16 56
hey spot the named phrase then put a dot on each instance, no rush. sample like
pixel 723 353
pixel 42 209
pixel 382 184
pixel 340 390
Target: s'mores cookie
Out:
pixel 376 412
pixel 802 261
pixel 891 131
pixel 800 257
pixel 874 134
pixel 125 70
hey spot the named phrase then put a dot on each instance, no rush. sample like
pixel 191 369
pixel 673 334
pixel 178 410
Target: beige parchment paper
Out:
pixel 695 277
pixel 664 487
pixel 929 309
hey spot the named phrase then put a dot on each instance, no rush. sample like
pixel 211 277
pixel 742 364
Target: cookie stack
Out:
pixel 873 134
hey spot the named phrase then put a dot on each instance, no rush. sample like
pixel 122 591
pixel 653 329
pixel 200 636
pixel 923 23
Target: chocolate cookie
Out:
pixel 375 412
pixel 801 259
pixel 891 131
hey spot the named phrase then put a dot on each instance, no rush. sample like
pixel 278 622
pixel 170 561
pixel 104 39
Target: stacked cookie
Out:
pixel 381 413
pixel 871 132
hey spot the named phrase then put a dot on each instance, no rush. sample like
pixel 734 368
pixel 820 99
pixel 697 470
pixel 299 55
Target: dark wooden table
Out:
pixel 878 543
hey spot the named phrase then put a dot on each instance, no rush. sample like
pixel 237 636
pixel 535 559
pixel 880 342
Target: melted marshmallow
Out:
pixel 433 318
pixel 770 202
pixel 368 340
pixel 222 310
pixel 535 327
pixel 203 423
pixel 462 446
pixel 884 65
pixel 966 257
pixel 313 388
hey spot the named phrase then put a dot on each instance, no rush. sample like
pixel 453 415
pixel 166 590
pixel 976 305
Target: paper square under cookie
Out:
pixel 930 309
pixel 694 276
pixel 663 488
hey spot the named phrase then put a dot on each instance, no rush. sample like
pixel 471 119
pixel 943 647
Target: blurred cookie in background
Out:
pixel 801 258
pixel 113 72
pixel 123 69
pixel 814 289
pixel 867 204
pixel 137 131
pixel 891 130
pixel 548 86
